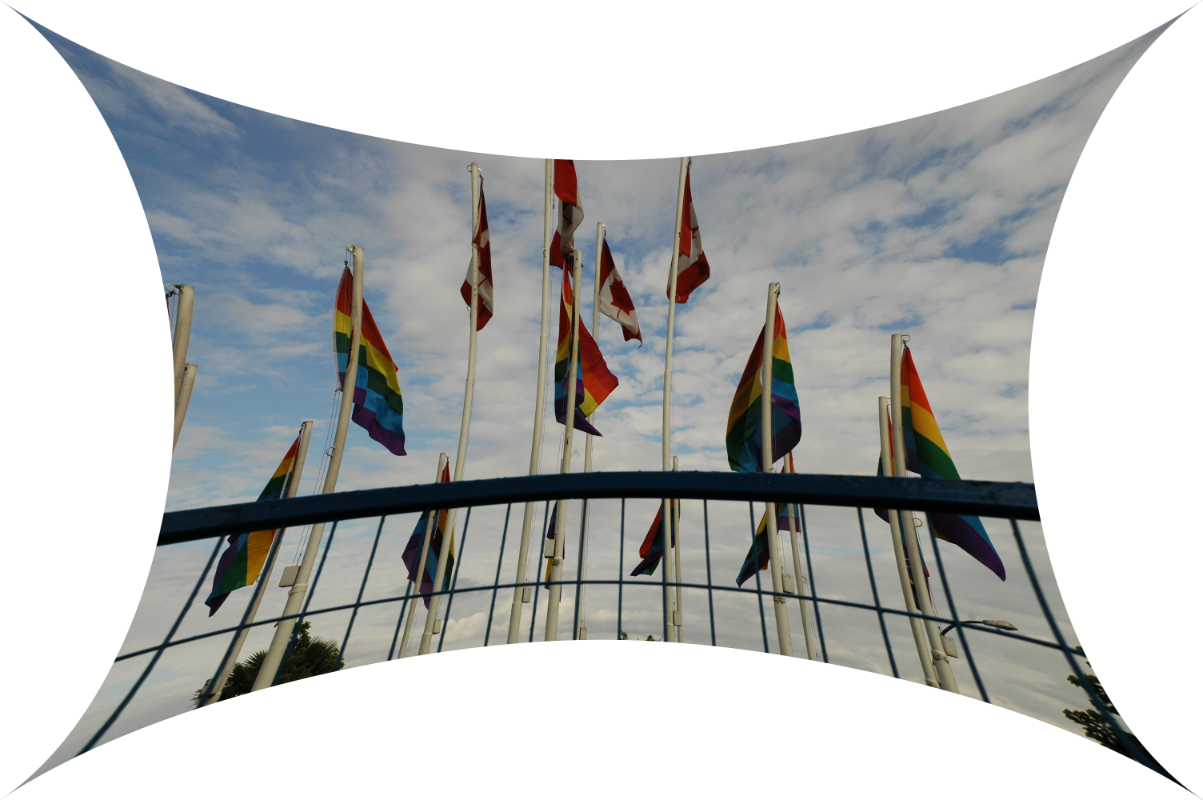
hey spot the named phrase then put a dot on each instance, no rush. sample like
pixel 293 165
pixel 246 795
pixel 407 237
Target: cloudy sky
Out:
pixel 935 227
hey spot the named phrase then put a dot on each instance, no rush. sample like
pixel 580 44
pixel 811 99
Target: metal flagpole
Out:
pixel 182 400
pixel 296 594
pixel 766 457
pixel 294 483
pixel 416 580
pixel 557 561
pixel 678 614
pixel 183 332
pixel 801 581
pixel 887 468
pixel 948 681
pixel 666 434
pixel 580 610
pixel 522 593
pixel 469 389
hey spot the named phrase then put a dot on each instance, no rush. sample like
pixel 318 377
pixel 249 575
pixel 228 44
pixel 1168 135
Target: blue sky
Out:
pixel 935 227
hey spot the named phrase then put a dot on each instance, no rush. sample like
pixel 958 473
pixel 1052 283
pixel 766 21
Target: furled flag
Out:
pixel 413 549
pixel 927 454
pixel 652 549
pixel 758 553
pixel 378 407
pixel 594 381
pixel 571 212
pixel 692 267
pixel 551 537
pixel 743 423
pixel 243 559
pixel 613 300
pixel 484 270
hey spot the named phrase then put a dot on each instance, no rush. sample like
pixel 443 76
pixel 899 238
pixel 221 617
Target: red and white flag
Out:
pixel 484 271
pixel 613 300
pixel 692 267
pixel 571 212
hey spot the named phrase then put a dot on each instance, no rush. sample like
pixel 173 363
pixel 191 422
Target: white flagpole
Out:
pixel 887 469
pixel 416 580
pixel 580 612
pixel 948 681
pixel 469 389
pixel 182 334
pixel 800 581
pixel 296 595
pixel 766 457
pixel 557 561
pixel 187 380
pixel 522 593
pixel 265 575
pixel 679 614
pixel 666 434
pixel 184 377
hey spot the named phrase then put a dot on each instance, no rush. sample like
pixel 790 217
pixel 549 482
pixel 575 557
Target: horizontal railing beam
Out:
pixel 982 498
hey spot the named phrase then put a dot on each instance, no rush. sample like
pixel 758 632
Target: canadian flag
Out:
pixel 613 300
pixel 692 267
pixel 571 212
pixel 480 245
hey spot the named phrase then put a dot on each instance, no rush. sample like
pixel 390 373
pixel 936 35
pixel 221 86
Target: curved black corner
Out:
pixel 81 278
pixel 1110 355
pixel 612 711
pixel 719 82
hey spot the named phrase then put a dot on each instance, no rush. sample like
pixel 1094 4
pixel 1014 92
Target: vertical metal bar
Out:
pixel 410 587
pixel 1134 752
pixel 622 538
pixel 810 570
pixel 709 580
pixel 463 545
pixel 864 540
pixel 580 563
pixel 952 609
pixel 155 658
pixel 359 598
pixel 764 629
pixel 296 631
pixel 534 606
pixel 497 577
pixel 666 553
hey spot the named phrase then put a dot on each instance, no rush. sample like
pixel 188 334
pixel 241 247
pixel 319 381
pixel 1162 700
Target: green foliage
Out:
pixel 1095 725
pixel 309 657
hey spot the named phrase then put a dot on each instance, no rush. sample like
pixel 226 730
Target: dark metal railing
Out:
pixel 1011 501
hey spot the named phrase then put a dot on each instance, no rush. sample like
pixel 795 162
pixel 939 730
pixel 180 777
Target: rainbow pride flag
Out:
pixel 413 549
pixel 594 381
pixel 377 402
pixel 743 423
pixel 927 454
pixel 758 553
pixel 652 549
pixel 243 559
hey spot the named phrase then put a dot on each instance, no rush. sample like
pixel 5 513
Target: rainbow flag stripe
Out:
pixel 652 549
pixel 413 549
pixel 377 403
pixel 927 454
pixel 759 551
pixel 594 381
pixel 743 423
pixel 243 559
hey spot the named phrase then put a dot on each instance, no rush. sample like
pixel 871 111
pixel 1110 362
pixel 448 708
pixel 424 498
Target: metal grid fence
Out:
pixel 1014 502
